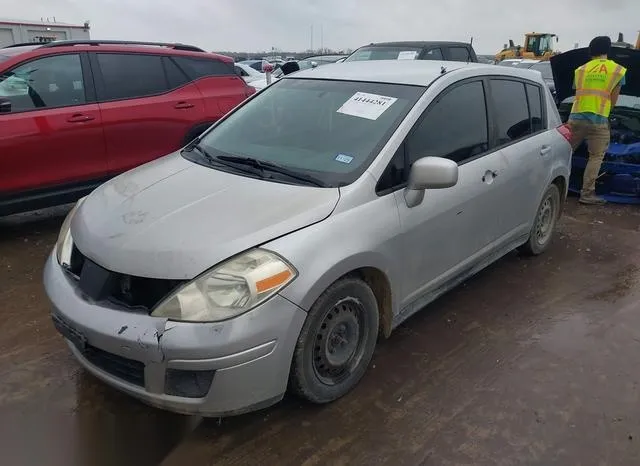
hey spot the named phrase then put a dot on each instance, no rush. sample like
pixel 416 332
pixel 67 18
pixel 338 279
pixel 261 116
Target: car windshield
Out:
pixel 385 53
pixel 330 130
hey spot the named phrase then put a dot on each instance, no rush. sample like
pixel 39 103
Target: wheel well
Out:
pixel 379 284
pixel 561 183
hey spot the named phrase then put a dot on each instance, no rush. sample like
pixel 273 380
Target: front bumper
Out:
pixel 208 369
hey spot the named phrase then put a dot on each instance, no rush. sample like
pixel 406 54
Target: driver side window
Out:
pixel 455 127
pixel 48 82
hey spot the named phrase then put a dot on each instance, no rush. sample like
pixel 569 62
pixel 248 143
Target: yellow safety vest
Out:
pixel 594 83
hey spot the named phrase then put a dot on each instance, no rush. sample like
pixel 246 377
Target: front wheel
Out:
pixel 336 343
pixel 544 223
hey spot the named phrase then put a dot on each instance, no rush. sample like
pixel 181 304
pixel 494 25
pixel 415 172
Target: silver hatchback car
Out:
pixel 274 250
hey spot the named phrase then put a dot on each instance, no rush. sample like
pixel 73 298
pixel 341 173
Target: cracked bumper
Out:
pixel 249 357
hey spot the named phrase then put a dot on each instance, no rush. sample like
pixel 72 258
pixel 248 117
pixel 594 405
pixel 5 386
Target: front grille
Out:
pixel 134 293
pixel 126 369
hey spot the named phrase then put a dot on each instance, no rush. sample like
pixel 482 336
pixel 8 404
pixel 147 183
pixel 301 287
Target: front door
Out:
pixel 51 135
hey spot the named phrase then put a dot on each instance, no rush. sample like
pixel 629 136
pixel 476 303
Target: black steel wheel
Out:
pixel 336 343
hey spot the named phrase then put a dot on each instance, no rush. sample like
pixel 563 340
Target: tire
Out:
pixel 336 343
pixel 548 212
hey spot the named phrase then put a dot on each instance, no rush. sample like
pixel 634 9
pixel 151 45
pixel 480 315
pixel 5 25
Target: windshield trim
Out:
pixel 350 177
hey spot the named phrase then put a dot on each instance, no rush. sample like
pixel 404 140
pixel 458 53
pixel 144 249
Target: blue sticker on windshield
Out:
pixel 344 158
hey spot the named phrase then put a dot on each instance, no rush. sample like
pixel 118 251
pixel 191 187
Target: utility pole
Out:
pixel 311 48
pixel 321 38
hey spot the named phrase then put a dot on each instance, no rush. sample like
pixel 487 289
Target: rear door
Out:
pixel 221 88
pixel 521 135
pixel 448 232
pixel 148 105
pixel 52 135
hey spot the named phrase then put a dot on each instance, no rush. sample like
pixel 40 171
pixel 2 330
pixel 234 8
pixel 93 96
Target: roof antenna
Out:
pixel 443 70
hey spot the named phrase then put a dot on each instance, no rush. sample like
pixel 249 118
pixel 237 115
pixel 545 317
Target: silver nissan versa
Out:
pixel 273 251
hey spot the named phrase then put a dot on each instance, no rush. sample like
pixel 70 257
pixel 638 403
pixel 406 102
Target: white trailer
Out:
pixel 18 32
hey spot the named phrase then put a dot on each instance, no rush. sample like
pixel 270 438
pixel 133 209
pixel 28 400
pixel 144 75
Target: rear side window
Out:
pixel 455 127
pixel 433 54
pixel 459 54
pixel 201 67
pixel 534 97
pixel 512 111
pixel 127 76
pixel 175 76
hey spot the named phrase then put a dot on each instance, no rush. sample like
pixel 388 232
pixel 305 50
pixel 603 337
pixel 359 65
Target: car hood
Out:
pixel 565 64
pixel 174 219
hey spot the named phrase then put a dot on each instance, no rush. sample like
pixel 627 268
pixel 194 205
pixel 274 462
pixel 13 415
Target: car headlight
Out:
pixel 229 289
pixel 64 245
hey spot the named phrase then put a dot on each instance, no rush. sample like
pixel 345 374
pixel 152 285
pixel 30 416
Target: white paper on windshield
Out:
pixel 365 105
pixel 407 55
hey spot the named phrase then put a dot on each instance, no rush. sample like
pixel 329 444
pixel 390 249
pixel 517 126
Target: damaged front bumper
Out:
pixel 208 369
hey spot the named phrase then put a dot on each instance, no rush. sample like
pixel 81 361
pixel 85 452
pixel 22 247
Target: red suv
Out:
pixel 75 113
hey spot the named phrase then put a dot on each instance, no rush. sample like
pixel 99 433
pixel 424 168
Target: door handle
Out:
pixel 545 150
pixel 488 176
pixel 79 118
pixel 183 105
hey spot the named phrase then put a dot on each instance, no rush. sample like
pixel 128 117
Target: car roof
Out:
pixel 417 44
pixel 112 46
pixel 410 72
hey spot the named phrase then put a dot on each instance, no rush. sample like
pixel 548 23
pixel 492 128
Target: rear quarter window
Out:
pixel 197 68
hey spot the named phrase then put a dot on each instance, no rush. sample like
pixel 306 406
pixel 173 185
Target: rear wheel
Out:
pixel 544 223
pixel 336 343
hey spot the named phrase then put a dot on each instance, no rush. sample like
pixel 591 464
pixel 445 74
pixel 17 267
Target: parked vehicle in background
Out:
pixel 257 65
pixel 274 249
pixel 537 45
pixel 543 67
pixel 306 63
pixel 431 50
pixel 247 73
pixel 619 179
pixel 75 113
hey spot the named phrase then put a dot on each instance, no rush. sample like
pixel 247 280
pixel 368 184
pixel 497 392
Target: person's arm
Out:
pixel 615 94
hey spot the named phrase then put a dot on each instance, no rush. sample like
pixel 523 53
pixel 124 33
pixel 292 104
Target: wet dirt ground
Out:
pixel 534 361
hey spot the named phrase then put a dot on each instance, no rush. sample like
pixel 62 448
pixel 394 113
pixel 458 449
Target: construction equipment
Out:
pixel 537 45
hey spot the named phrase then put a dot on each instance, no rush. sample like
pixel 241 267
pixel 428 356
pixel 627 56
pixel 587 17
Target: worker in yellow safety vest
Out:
pixel 597 84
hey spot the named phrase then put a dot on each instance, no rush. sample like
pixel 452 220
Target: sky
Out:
pixel 259 25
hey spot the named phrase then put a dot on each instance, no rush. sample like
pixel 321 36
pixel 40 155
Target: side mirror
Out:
pixel 314 64
pixel 429 173
pixel 5 106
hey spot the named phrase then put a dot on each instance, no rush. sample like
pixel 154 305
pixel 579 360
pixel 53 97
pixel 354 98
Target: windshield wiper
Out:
pixel 272 167
pixel 213 160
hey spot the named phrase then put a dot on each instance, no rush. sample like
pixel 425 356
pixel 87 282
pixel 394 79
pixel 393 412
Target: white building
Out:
pixel 17 31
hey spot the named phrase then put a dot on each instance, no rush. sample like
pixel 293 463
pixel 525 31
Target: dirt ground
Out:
pixel 534 361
